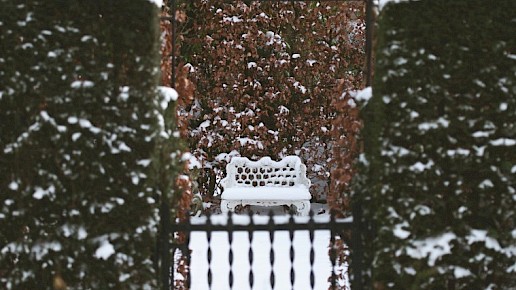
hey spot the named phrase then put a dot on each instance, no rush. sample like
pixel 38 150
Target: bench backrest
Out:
pixel 242 172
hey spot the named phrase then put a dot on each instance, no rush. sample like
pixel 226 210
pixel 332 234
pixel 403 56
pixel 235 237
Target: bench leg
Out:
pixel 302 207
pixel 227 206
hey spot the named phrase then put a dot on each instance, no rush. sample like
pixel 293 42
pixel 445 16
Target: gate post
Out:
pixel 165 244
pixel 357 257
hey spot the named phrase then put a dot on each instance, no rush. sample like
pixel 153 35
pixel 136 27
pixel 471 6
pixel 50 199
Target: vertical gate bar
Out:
pixel 250 254
pixel 173 28
pixel 157 254
pixel 209 256
pixel 172 255
pixel 271 255
pixel 186 249
pixel 357 243
pixel 311 232
pixel 369 42
pixel 333 251
pixel 165 243
pixel 291 223
pixel 230 239
pixel 172 266
pixel 357 251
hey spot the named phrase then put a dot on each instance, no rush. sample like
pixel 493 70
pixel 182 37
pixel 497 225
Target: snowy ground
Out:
pixel 261 246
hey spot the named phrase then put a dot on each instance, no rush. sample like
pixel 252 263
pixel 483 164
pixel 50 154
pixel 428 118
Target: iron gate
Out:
pixel 337 227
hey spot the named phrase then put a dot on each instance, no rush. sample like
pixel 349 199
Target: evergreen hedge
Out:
pixel 77 131
pixel 439 168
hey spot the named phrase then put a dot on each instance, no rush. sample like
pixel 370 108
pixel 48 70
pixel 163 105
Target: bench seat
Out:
pixel 266 183
pixel 267 193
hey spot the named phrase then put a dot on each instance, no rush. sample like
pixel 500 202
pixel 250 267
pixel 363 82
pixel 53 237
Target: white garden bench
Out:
pixel 266 183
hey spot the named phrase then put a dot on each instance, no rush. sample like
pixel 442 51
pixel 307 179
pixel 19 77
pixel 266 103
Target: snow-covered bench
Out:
pixel 266 183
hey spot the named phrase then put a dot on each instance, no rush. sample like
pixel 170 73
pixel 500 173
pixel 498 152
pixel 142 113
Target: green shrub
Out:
pixel 438 173
pixel 77 130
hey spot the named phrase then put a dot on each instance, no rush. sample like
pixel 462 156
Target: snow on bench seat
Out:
pixel 266 183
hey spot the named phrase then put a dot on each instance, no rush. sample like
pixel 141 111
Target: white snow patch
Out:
pixel 311 62
pixel 144 162
pixel 85 38
pixel 245 141
pixel 479 83
pixel 317 168
pixel 193 162
pixel 425 126
pixel 85 123
pixel 205 124
pixel 400 61
pixel 227 156
pixel 396 151
pixel 190 67
pixel 423 210
pixel 124 93
pixel 352 103
pixel 135 179
pixel 410 271
pixel 386 99
pixel 480 134
pixel 283 110
pixel 476 236
pixel 300 87
pixel 123 147
pixel 458 151
pixel 82 84
pixel 73 120
pixel 401 233
pixel 82 233
pixel 234 19
pixel 503 142
pixel 432 248
pixel 13 185
pixel 105 250
pixel 41 249
pixel 169 94
pixel 420 167
pixel 158 3
pixel 460 272
pixel 76 136
pixel 479 151
pixel 39 192
pixel 485 184
pixel 364 95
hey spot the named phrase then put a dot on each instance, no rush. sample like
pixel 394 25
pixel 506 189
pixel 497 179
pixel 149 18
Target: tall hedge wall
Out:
pixel 439 167
pixel 77 121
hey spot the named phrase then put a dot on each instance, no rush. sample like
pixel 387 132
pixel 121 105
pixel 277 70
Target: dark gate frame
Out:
pixel 337 227
pixel 167 229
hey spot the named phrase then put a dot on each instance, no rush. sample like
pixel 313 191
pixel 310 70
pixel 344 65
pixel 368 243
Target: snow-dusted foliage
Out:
pixel 439 134
pixel 265 74
pixel 77 129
